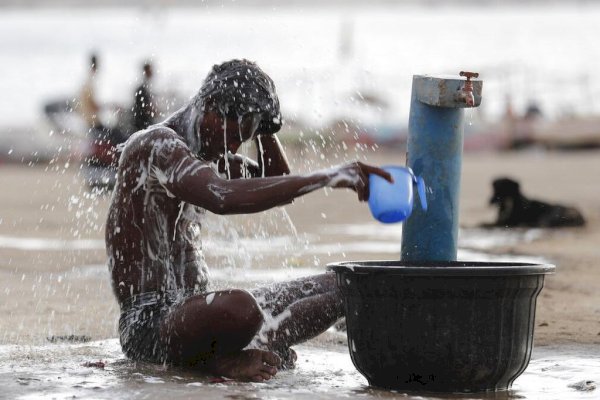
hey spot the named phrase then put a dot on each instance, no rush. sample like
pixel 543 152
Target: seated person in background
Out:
pixel 167 179
pixel 88 105
pixel 103 139
pixel 144 107
pixel 514 209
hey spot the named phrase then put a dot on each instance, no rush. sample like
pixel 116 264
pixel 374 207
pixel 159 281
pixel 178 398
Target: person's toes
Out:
pixel 271 359
pixel 266 376
pixel 269 370
pixel 261 377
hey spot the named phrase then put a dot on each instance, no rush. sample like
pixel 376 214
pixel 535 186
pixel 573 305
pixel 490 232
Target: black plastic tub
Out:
pixel 446 327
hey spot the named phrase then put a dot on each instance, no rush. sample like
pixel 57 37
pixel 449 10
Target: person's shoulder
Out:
pixel 153 138
pixel 154 134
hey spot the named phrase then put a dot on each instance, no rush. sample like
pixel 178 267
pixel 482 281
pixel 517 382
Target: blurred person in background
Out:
pixel 88 105
pixel 144 105
pixel 101 158
pixel 90 108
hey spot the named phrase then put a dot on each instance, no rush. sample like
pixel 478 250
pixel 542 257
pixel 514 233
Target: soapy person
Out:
pixel 168 176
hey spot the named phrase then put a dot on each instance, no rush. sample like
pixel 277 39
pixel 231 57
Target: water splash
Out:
pixel 226 151
pixel 261 152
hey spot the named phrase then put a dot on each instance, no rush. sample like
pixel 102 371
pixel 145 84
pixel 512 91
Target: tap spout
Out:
pixel 465 96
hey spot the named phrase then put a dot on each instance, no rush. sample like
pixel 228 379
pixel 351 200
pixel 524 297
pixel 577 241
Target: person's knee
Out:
pixel 221 322
pixel 240 310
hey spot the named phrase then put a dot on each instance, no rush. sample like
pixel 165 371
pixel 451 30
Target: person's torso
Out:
pixel 87 103
pixel 153 239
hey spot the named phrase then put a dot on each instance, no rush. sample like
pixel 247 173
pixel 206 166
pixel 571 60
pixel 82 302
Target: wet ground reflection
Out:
pixel 324 371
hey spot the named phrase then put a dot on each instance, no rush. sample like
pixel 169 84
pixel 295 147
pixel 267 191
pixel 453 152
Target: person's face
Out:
pixel 240 130
pixel 230 132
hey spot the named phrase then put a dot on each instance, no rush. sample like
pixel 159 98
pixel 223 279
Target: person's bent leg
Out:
pixel 303 320
pixel 210 331
pixel 297 311
pixel 277 297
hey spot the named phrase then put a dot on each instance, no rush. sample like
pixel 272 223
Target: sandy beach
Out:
pixel 54 282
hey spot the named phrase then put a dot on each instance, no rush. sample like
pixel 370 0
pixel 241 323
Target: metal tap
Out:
pixel 466 93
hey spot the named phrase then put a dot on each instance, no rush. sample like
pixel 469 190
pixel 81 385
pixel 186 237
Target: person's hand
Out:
pixel 270 152
pixel 239 166
pixel 355 176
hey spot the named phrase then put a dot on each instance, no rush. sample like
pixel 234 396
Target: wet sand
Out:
pixel 322 372
pixel 53 280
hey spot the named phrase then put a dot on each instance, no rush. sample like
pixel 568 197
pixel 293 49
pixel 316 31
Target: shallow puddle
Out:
pixel 324 371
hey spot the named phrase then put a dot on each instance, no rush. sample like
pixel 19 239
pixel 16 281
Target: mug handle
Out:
pixel 421 189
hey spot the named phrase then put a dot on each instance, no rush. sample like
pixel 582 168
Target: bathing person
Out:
pixel 168 177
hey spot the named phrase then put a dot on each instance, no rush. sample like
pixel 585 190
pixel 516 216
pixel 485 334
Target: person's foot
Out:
pixel 288 358
pixel 287 355
pixel 247 365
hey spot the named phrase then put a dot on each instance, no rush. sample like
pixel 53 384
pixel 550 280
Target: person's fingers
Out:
pixel 360 186
pixel 367 192
pixel 370 169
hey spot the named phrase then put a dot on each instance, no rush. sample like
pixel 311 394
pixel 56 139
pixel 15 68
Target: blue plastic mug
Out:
pixel 393 202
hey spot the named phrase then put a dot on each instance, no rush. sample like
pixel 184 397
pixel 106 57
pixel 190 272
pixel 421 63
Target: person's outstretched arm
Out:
pixel 195 182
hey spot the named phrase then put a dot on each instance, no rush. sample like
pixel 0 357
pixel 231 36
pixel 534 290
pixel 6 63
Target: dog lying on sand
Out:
pixel 515 210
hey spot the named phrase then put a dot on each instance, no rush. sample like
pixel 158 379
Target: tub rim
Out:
pixel 442 268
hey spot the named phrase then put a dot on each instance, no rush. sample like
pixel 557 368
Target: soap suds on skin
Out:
pixel 209 298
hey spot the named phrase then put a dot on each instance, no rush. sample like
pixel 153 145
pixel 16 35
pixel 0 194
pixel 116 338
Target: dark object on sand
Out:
pixel 514 209
pixel 100 162
pixel 94 364
pixel 69 338
pixel 452 326
pixel 583 386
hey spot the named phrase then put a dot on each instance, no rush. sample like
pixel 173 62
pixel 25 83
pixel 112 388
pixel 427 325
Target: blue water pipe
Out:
pixel 434 152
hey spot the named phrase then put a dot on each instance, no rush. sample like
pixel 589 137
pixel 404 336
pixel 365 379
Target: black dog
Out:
pixel 517 210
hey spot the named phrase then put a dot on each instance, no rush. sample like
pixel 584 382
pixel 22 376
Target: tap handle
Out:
pixel 469 75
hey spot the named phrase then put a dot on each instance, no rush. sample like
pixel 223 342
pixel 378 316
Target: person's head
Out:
pixel 93 63
pixel 241 97
pixel 147 70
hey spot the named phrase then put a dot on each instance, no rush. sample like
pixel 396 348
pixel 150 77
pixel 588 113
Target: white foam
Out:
pixel 209 298
pixel 262 158
pixel 271 323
